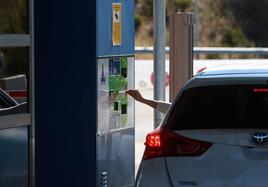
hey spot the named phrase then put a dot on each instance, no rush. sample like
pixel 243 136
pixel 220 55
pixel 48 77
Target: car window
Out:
pixel 4 103
pixel 218 107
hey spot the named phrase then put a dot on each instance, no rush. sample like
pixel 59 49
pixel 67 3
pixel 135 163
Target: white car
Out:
pixel 215 134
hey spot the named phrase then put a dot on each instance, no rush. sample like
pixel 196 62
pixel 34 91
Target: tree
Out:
pixel 16 59
pixel 252 17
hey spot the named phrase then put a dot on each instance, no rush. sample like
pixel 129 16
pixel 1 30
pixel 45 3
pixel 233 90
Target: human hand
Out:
pixel 135 94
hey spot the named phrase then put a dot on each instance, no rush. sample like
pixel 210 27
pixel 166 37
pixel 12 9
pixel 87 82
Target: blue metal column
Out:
pixel 65 93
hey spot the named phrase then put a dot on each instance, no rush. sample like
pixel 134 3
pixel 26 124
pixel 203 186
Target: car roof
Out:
pixel 230 75
pixel 235 69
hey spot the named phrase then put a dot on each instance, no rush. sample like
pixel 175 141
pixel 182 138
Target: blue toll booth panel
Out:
pixel 115 131
pixel 115 74
pixel 115 27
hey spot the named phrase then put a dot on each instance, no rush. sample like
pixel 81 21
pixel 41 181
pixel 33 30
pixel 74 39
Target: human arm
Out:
pixel 158 105
pixel 138 97
pixel 162 106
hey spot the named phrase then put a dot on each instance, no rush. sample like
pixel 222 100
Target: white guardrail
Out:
pixel 213 50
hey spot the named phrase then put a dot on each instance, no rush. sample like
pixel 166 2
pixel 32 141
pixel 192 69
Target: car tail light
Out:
pixel 260 90
pixel 20 93
pixel 165 143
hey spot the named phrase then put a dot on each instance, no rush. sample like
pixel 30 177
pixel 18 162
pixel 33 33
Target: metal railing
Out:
pixel 214 50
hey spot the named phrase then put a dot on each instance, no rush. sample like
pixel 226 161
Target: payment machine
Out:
pixel 115 74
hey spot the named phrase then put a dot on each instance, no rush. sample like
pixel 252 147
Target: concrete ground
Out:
pixel 144 114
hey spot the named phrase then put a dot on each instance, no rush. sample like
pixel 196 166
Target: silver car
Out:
pixel 214 134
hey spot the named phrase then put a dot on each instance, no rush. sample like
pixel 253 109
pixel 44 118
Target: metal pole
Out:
pixel 196 26
pixel 196 12
pixel 32 95
pixel 159 54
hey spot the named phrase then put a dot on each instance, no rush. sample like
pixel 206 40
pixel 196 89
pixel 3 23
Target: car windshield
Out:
pixel 221 107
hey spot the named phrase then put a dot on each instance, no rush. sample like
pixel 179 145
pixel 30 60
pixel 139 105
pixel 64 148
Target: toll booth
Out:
pixel 84 123
pixel 72 124
pixel 115 66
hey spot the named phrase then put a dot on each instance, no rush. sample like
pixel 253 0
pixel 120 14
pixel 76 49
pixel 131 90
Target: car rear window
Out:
pixel 221 107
